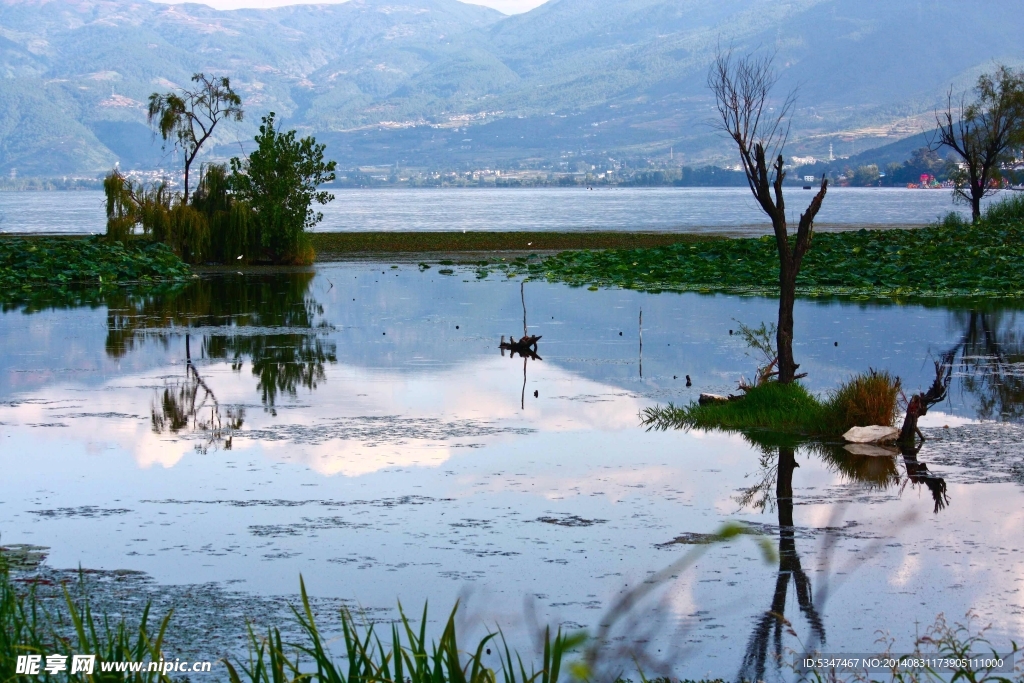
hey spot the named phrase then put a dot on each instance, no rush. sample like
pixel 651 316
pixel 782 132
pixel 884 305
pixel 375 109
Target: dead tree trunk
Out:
pixel 791 254
pixel 742 89
pixel 919 404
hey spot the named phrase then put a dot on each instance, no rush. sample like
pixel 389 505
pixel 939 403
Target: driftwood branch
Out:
pixel 919 403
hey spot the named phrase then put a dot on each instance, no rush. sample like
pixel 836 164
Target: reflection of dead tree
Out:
pixel 918 473
pixel 525 346
pixel 769 627
pixel 182 407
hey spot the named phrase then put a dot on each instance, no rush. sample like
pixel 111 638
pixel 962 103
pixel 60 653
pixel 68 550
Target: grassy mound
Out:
pixel 867 399
pixel 28 264
pixel 988 258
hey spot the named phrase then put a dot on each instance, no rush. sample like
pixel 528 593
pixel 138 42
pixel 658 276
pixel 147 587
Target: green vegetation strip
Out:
pixel 866 399
pixel 949 259
pixel 27 264
pixel 335 244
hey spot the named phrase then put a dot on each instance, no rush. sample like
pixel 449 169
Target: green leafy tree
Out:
pixel 279 182
pixel 189 116
pixel 865 176
pixel 984 133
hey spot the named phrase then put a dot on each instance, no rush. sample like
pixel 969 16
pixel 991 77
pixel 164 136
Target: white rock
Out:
pixel 872 434
pixel 870 449
pixel 711 398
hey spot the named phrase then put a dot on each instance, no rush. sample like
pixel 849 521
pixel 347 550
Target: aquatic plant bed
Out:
pixel 952 259
pixel 332 245
pixel 54 262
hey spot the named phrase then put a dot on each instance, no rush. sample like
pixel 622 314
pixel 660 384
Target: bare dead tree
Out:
pixel 919 403
pixel 983 133
pixel 742 88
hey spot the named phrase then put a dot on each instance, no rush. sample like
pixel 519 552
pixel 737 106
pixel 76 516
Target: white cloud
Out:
pixel 505 6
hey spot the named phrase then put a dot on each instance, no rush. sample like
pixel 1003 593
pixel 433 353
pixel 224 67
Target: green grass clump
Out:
pixel 773 407
pixel 950 258
pixel 866 399
pixel 27 264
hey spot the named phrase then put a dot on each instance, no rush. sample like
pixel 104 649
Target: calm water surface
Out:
pixel 358 425
pixel 730 210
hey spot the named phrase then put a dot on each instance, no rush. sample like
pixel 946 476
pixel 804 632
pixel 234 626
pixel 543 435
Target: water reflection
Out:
pixel 269 320
pixel 991 362
pixel 525 346
pixel 918 473
pixel 770 626
pixel 180 407
pixel 871 466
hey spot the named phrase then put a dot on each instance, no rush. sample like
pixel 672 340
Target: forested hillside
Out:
pixel 441 83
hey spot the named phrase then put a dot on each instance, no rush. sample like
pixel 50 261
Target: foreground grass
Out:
pixel 949 259
pixel 55 263
pixel 396 653
pixel 789 409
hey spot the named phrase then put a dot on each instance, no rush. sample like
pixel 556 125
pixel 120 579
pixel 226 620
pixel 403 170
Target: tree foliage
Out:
pixel 279 182
pixel 188 117
pixel 984 133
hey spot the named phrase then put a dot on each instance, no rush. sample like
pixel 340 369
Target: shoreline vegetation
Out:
pixel 891 263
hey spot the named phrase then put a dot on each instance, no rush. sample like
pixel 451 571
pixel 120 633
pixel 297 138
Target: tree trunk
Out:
pixel 976 204
pixel 184 198
pixel 784 333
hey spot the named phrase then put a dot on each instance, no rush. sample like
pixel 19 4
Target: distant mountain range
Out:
pixel 440 83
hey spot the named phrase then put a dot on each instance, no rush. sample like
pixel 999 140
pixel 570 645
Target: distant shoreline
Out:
pixel 339 246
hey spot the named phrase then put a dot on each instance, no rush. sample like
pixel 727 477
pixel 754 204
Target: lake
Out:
pixel 357 424
pixel 712 210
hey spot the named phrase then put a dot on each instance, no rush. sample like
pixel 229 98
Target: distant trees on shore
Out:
pixel 984 133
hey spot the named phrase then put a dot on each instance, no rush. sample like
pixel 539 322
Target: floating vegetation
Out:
pixel 382 429
pixel 88 511
pixel 988 258
pixel 22 556
pixel 64 264
pixel 379 502
pixel 570 520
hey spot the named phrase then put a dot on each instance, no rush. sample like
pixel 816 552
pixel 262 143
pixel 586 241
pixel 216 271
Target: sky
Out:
pixel 506 6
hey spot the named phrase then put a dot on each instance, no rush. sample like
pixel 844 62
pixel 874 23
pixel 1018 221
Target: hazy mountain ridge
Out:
pixel 393 81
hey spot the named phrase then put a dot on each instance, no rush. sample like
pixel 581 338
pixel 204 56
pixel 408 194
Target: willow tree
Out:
pixel 189 116
pixel 759 128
